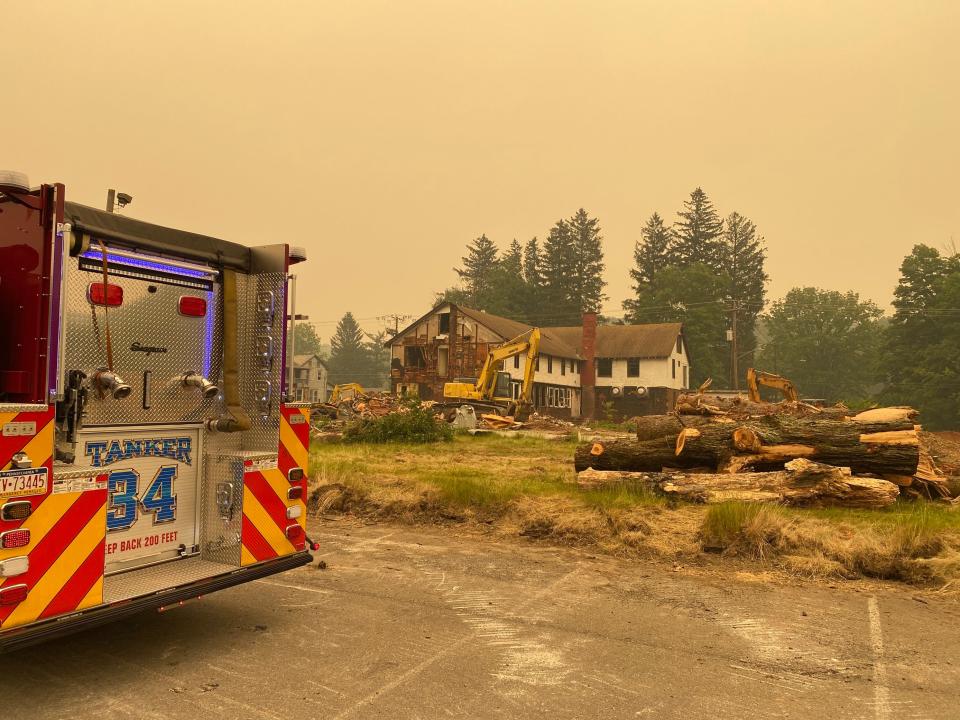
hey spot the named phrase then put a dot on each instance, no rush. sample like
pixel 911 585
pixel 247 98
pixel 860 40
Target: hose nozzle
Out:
pixel 108 382
pixel 193 379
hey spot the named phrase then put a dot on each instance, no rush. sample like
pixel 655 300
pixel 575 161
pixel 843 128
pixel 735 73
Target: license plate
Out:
pixel 18 483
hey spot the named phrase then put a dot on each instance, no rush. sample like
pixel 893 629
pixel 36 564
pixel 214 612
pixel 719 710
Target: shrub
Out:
pixel 411 423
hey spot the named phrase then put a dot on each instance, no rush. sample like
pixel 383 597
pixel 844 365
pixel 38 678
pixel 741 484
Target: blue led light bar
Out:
pixel 148 264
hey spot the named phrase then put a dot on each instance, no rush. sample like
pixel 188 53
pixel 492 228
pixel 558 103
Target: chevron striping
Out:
pixel 59 572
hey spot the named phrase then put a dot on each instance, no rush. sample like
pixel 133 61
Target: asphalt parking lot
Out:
pixel 411 623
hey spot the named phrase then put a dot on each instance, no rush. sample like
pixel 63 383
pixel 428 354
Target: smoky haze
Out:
pixel 383 136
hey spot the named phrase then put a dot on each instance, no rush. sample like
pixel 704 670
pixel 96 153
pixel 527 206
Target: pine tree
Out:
pixel 559 263
pixel 532 264
pixel 478 267
pixel 699 232
pixel 349 358
pixel 652 252
pixel 508 291
pixel 742 263
pixel 586 282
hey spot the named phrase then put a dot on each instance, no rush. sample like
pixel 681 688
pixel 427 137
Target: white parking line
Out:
pixel 881 693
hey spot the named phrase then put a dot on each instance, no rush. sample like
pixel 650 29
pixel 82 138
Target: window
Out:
pixel 319 373
pixel 549 363
pixel 563 366
pixel 633 367
pixel 516 362
pixel 537 366
pixel 413 357
pixel 679 343
pixel 604 367
pixel 673 367
pixel 556 397
pixel 685 376
pixel 444 322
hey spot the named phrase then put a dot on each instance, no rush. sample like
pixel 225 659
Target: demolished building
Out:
pixel 589 370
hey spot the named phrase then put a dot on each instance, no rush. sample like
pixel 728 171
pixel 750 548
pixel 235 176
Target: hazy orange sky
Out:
pixel 383 136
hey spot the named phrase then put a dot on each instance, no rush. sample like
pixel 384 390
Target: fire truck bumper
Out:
pixel 37 632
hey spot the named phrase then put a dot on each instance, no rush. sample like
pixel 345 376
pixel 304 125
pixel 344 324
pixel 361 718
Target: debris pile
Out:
pixel 716 448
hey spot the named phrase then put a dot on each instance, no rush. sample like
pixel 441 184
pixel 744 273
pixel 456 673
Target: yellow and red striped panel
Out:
pixel 38 447
pixel 265 501
pixel 67 536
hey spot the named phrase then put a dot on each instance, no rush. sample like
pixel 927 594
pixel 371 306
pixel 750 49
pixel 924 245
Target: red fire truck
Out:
pixel 146 455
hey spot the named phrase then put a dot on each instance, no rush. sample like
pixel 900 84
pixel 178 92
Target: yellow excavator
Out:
pixel 755 378
pixel 341 400
pixel 491 391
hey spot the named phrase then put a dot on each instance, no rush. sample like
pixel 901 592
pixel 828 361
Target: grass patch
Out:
pixel 750 528
pixel 525 485
pixel 916 542
pixel 621 497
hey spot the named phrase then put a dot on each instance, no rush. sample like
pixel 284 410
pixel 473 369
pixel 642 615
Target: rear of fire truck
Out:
pixel 146 456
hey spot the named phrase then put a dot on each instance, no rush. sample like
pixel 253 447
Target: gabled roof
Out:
pixel 652 341
pixel 550 343
pixel 299 359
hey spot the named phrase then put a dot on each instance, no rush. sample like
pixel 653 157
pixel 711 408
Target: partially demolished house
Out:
pixel 590 370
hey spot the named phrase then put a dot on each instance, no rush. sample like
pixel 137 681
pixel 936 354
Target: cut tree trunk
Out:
pixel 884 448
pixel 652 427
pixel 766 443
pixel 646 456
pixel 802 484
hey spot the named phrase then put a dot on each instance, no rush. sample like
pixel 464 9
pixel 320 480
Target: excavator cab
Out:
pixel 501 390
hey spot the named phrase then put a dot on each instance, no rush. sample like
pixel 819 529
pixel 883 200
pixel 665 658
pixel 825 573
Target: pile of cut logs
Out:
pixel 717 448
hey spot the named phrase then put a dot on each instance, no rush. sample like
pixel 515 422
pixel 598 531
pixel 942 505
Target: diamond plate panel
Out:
pixel 148 580
pixel 148 318
pixel 220 526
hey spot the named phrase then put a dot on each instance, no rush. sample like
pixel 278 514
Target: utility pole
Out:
pixel 397 319
pixel 734 355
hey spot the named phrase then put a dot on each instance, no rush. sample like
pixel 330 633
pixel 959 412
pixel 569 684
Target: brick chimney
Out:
pixel 588 370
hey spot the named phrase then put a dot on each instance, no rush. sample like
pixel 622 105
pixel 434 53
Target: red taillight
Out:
pixel 19 510
pixel 14 539
pixel 111 295
pixel 295 493
pixel 192 306
pixel 295 474
pixel 295 534
pixel 13 595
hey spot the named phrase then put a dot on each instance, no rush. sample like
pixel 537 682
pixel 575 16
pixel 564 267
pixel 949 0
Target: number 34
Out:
pixel 125 504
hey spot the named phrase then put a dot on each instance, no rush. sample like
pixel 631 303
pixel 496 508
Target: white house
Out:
pixel 309 378
pixel 638 368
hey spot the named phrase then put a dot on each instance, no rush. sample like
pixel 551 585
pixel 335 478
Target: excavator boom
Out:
pixel 485 389
pixel 755 378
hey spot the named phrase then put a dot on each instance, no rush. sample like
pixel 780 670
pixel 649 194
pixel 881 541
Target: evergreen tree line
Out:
pixel 702 270
pixel 541 283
